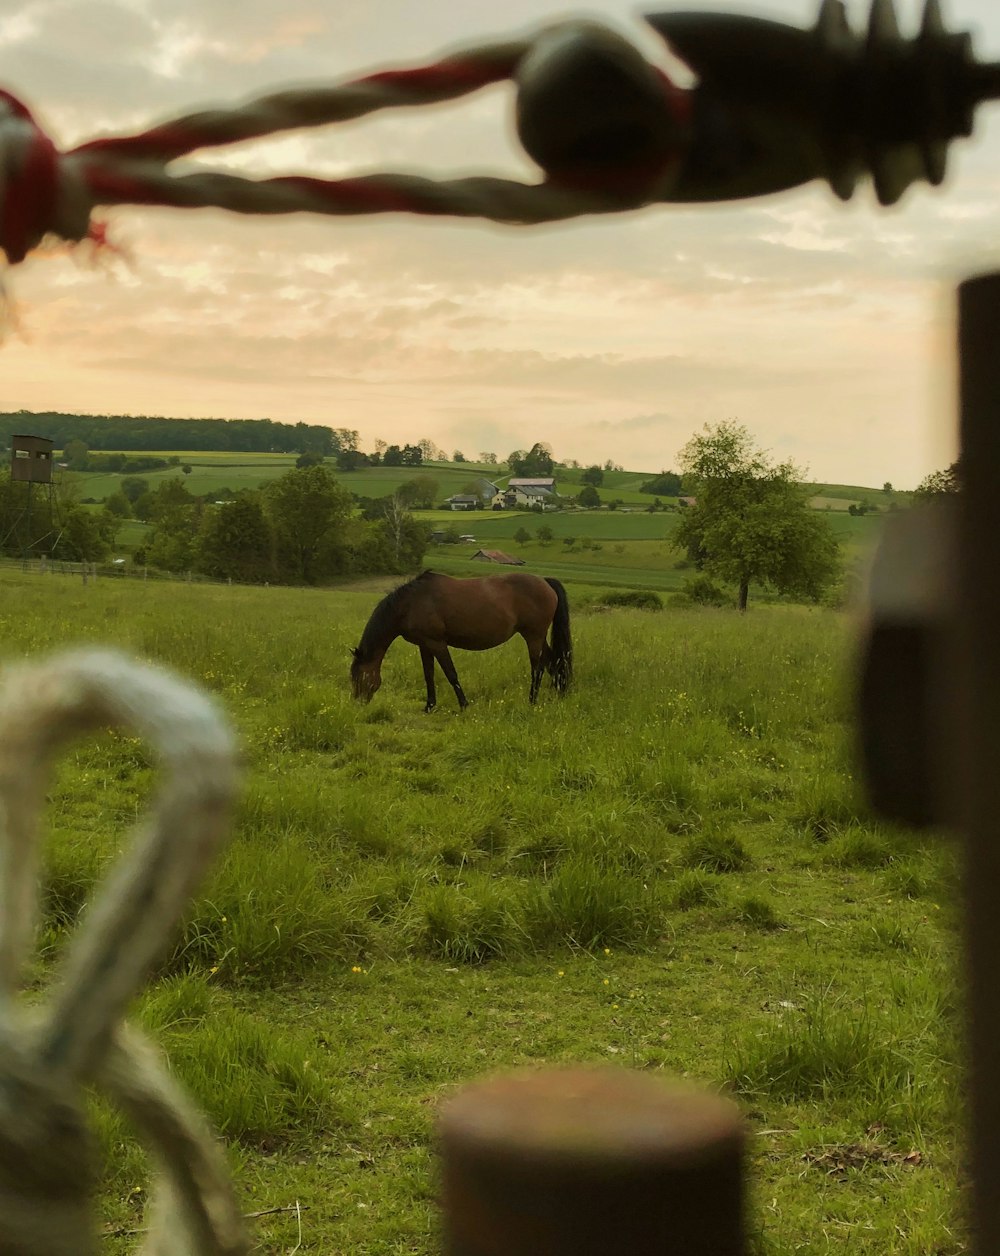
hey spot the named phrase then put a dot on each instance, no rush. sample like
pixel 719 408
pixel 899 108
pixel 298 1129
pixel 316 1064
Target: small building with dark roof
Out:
pixel 498 556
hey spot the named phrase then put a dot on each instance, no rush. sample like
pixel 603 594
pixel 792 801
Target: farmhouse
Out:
pixel 497 556
pixel 526 493
pixel 463 501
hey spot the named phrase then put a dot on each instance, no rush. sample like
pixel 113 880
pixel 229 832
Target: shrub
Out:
pixel 641 599
pixel 705 592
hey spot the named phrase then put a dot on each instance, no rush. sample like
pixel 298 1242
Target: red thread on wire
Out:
pixel 445 76
pixel 29 197
pixel 132 169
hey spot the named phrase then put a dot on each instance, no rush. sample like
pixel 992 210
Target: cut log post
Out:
pixel 591 1162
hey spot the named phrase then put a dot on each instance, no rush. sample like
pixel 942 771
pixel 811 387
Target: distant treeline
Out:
pixel 150 432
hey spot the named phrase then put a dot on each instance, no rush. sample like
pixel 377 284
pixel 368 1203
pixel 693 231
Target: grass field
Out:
pixel 669 869
pixel 212 472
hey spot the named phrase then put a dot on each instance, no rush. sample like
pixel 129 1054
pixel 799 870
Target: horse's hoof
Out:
pixel 429 709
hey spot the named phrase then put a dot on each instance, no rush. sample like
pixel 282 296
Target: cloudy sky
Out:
pixel 825 328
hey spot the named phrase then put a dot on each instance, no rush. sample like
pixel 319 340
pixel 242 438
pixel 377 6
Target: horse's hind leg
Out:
pixel 448 667
pixel 538 657
pixel 427 658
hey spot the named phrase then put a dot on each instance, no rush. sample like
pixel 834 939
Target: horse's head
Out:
pixel 365 677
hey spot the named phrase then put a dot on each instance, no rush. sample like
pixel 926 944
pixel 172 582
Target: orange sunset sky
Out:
pixel 825 328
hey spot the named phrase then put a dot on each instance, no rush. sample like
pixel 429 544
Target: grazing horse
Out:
pixel 434 612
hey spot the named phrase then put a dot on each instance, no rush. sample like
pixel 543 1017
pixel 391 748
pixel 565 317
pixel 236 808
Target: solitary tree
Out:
pixel 939 483
pixel 593 475
pixel 522 536
pixel 751 521
pixel 589 496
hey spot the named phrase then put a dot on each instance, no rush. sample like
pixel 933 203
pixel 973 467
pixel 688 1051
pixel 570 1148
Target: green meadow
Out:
pixel 629 547
pixel 669 869
pixel 212 472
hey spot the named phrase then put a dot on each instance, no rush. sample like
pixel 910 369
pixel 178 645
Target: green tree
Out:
pixel 307 510
pixel 593 475
pixel 175 512
pixel 458 456
pixel 939 483
pixel 169 497
pixel 313 458
pixel 751 521
pixel 62 528
pixel 118 504
pixel 667 484
pixel 85 536
pixel 341 437
pixel 75 454
pixel 408 537
pixel 545 534
pixel 522 536
pixel 589 496
pixel 133 486
pixel 419 493
pixel 536 463
pixel 347 460
pixel 172 545
pixel 235 542
pixel 187 468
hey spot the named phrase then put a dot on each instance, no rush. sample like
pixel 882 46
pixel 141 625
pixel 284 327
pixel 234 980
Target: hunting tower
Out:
pixel 28 522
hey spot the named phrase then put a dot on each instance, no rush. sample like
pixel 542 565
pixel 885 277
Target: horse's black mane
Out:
pixel 379 625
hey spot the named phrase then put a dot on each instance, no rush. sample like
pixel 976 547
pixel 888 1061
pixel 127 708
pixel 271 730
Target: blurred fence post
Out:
pixel 591 1162
pixel 976 763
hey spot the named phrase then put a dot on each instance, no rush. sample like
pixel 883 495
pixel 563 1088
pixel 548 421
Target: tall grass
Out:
pixel 670 867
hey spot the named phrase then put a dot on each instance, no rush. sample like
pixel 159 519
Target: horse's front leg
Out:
pixel 448 667
pixel 427 658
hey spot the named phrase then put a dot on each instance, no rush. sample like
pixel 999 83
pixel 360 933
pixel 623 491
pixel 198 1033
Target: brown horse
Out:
pixel 435 611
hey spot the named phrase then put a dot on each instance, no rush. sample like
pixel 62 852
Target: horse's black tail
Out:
pixel 561 661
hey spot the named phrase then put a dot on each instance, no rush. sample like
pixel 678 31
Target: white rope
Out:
pixel 78 1038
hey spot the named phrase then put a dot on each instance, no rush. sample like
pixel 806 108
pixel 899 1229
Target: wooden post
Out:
pixel 977 731
pixel 591 1162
